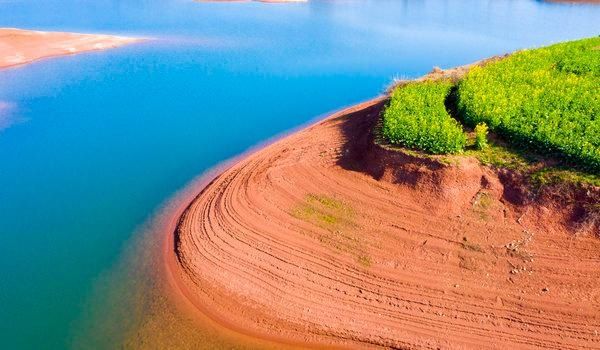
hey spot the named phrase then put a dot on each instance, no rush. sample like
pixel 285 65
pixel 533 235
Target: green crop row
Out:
pixel 416 117
pixel 546 99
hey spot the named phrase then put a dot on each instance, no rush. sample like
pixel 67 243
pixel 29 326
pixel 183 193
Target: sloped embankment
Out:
pixel 326 237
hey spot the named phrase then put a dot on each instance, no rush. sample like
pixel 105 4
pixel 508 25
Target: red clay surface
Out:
pixel 326 238
pixel 18 47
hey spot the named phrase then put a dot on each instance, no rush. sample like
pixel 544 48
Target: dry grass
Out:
pixel 336 218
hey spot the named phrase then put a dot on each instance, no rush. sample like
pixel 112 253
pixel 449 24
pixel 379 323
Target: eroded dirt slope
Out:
pixel 323 237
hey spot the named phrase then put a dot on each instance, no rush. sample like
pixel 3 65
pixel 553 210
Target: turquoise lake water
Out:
pixel 91 145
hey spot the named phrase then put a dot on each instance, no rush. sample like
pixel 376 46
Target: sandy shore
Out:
pixel 326 238
pixel 18 47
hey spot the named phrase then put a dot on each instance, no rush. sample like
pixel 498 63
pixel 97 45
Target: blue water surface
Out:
pixel 91 144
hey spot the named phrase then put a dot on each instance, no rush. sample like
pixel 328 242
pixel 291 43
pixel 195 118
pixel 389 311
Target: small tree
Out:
pixel 481 132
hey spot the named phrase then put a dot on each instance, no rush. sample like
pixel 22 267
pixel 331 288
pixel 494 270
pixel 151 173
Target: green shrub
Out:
pixel 481 132
pixel 416 117
pixel 584 62
pixel 547 100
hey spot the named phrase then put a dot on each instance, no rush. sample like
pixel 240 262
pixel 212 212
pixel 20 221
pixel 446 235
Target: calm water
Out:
pixel 92 145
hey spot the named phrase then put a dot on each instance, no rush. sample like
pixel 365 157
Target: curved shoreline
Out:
pixel 439 301
pixel 176 287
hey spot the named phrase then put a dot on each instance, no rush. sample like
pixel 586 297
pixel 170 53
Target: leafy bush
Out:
pixel 584 62
pixel 416 117
pixel 545 99
pixel 481 132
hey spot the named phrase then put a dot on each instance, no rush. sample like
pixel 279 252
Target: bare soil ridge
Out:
pixel 328 238
pixel 19 47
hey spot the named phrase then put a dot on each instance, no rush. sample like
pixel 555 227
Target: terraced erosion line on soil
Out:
pixel 324 237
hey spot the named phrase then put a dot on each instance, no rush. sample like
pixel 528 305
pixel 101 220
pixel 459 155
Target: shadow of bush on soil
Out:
pixel 363 151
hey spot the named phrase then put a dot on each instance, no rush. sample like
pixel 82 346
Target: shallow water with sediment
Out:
pixel 93 145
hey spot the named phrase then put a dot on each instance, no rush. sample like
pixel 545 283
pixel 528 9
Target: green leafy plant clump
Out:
pixel 546 100
pixel 416 117
pixel 481 133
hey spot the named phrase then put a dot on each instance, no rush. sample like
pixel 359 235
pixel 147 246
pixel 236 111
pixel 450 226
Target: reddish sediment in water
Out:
pixel 326 238
pixel 19 47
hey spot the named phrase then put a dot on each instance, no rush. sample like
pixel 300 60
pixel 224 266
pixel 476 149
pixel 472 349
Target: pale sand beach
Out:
pixel 19 46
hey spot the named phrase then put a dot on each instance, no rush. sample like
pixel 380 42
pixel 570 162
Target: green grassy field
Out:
pixel 417 118
pixel 543 100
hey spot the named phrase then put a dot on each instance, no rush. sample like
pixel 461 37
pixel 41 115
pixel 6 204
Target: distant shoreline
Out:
pixel 266 1
pixel 19 46
pixel 575 2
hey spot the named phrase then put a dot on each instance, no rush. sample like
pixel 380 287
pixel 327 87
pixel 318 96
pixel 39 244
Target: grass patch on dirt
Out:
pixel 499 155
pixel 540 170
pixel 474 247
pixel 325 212
pixel 481 204
pixel 364 260
pixel 336 218
pixel 554 175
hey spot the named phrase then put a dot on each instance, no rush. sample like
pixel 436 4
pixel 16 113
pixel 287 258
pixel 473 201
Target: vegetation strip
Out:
pixel 545 100
pixel 417 118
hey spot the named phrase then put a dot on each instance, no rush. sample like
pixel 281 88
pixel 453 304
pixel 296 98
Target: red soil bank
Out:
pixel 326 238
